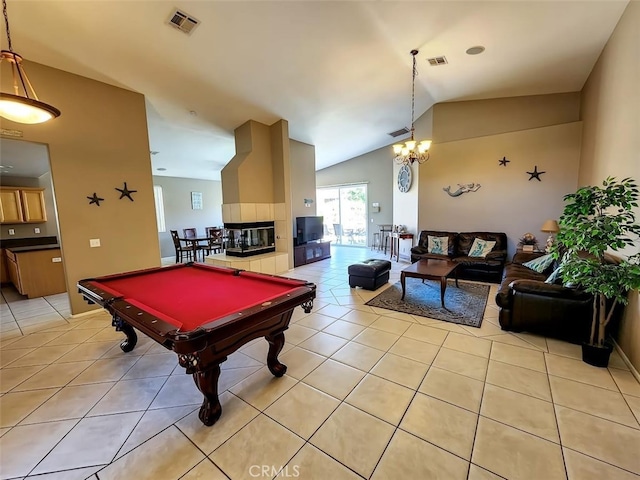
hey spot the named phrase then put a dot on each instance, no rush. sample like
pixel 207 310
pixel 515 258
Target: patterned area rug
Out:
pixel 464 305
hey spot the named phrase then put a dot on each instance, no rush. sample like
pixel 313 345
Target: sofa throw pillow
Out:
pixel 540 264
pixel 438 245
pixel 480 247
pixel 556 277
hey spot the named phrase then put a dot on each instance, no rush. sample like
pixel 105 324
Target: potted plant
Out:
pixel 597 219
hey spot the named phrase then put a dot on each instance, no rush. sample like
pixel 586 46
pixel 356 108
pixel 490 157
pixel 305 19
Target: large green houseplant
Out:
pixel 595 220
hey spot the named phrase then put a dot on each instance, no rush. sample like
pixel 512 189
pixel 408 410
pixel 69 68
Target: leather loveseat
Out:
pixel 459 244
pixel 529 304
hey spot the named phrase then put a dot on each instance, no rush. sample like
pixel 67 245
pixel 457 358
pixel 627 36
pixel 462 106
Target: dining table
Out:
pixel 196 245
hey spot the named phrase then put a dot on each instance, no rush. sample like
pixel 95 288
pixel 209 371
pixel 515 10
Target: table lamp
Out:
pixel 551 227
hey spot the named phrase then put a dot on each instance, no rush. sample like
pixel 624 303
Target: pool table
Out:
pixel 203 313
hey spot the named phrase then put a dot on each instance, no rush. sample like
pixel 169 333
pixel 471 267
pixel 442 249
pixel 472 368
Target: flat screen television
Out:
pixel 309 229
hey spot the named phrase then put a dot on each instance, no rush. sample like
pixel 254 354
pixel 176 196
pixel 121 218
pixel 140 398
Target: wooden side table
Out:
pixel 395 243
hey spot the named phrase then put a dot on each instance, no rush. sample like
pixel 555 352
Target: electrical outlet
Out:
pixel 36 230
pixel 94 242
pixel 56 259
pixel 12 231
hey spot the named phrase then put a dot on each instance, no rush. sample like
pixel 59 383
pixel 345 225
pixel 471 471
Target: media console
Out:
pixel 311 252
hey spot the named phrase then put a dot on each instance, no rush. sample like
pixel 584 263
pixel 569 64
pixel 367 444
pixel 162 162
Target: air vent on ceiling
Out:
pixel 435 61
pixel 402 131
pixel 183 21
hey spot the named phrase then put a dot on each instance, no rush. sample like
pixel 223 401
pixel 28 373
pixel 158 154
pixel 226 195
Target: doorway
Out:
pixel 344 209
pixel 30 249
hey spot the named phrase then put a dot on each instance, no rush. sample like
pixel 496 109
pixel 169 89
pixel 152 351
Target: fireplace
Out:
pixel 247 239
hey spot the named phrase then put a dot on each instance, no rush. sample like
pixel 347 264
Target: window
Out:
pixel 157 195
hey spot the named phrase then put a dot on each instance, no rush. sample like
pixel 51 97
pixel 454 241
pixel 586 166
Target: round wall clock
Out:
pixel 404 178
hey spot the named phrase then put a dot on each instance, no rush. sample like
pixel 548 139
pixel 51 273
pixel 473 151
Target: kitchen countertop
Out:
pixel 34 248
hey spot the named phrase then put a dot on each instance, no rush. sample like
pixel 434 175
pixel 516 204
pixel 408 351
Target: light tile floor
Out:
pixel 369 393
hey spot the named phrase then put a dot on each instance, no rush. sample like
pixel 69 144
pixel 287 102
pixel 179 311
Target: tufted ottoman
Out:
pixel 370 274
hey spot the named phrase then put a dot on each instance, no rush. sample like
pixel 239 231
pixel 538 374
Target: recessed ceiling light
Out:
pixel 161 169
pixel 477 50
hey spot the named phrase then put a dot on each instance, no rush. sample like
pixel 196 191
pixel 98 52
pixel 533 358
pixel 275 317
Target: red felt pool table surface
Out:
pixel 191 297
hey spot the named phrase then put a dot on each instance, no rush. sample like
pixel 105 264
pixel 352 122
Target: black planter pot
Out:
pixel 596 355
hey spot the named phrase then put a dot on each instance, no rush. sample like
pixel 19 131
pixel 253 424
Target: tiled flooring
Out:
pixel 369 393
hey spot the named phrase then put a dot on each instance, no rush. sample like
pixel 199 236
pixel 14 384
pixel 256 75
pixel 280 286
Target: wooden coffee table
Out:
pixel 430 269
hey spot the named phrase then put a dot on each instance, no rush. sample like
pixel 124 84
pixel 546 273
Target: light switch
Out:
pixel 94 242
pixel 36 230
pixel 12 231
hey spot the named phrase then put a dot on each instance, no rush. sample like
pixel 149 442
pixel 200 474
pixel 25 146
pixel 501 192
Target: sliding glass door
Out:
pixel 344 209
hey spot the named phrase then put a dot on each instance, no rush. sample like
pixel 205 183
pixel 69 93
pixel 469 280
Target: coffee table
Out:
pixel 430 269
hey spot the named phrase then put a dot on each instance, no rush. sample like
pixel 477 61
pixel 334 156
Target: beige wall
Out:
pixel 303 174
pixel 247 177
pixel 99 142
pixel 507 200
pixel 460 120
pixel 611 141
pixel 178 213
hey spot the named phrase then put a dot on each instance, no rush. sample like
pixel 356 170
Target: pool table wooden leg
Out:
pixel 276 342
pixel 207 383
pixel 132 338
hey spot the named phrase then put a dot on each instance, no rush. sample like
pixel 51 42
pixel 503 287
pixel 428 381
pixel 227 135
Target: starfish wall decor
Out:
pixel 535 174
pixel 95 199
pixel 504 161
pixel 125 192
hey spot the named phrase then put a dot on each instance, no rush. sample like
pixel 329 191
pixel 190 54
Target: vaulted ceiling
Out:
pixel 339 72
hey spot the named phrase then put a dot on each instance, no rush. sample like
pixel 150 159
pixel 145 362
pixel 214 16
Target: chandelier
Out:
pixel 17 107
pixel 412 151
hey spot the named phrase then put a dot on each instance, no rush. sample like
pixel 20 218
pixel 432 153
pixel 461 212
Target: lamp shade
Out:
pixel 550 226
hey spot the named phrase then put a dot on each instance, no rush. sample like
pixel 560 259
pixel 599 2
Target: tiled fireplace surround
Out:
pixel 272 263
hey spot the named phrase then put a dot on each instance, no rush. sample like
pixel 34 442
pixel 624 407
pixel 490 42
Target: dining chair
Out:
pixel 182 251
pixel 190 232
pixel 216 241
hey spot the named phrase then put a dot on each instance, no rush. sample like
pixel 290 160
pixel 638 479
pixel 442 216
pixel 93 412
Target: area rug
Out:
pixel 464 305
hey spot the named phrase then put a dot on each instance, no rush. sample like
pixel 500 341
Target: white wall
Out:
pixel 177 207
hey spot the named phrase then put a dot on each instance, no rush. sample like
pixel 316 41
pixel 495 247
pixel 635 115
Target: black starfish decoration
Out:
pixel 535 174
pixel 95 199
pixel 125 192
pixel 504 161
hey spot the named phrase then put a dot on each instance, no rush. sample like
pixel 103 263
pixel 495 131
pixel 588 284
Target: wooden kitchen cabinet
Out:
pixel 36 271
pixel 10 206
pixel 22 205
pixel 4 273
pixel 33 207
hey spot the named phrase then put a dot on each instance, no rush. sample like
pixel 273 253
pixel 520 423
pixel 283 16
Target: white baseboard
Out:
pixel 626 360
pixel 84 314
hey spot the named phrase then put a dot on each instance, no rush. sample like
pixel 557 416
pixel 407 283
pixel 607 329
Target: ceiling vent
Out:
pixel 435 61
pixel 398 133
pixel 183 21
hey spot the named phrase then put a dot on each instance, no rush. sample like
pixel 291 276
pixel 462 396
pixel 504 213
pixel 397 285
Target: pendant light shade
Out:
pixel 23 105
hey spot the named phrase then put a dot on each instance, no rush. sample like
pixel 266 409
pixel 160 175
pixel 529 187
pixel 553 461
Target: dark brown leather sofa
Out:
pixel 529 304
pixel 487 268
